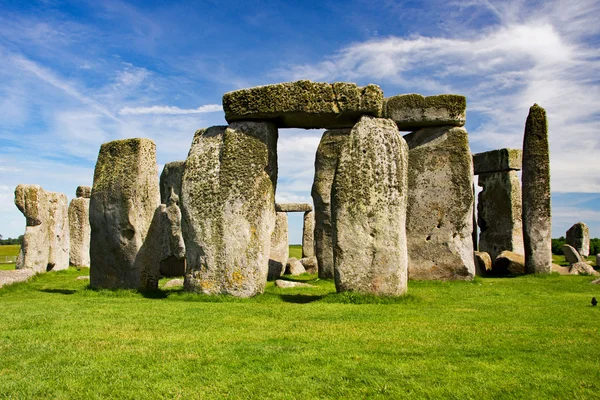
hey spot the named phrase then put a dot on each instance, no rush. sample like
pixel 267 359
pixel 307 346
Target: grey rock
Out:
pixel 279 247
pixel 413 111
pixel 595 282
pixel 310 264
pixel 80 231
pixel 304 104
pixel 582 268
pixel 509 263
pixel 173 283
pixel 578 236
pixel 280 283
pixel 170 180
pixel 294 267
pixel 59 237
pixel 369 210
pixel 571 255
pixel 293 207
pixel 440 205
pixel 483 263
pixel 83 191
pixel 326 161
pixel 228 208
pixel 537 217
pixel 499 213
pixel 500 160
pixel 33 202
pixel 561 270
pixel 308 234
pixel 15 276
pixel 83 278
pixel 124 199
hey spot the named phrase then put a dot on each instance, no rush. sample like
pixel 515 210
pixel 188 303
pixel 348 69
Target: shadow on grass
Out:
pixel 154 294
pixel 300 298
pixel 58 291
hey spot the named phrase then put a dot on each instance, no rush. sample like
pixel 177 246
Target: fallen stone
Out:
pixel 293 207
pixel 582 268
pixel 578 236
pixel 83 278
pixel 500 160
pixel 79 231
pixel 14 276
pixel 310 264
pixel 509 263
pixel 83 191
pixel 304 104
pixel 294 267
pixel 483 263
pixel 413 111
pixel 369 210
pixel 537 219
pixel 173 283
pixel 170 180
pixel 571 255
pixel 279 247
pixel 561 270
pixel 33 202
pixel 280 283
pixel 499 213
pixel 595 282
pixel 326 161
pixel 124 199
pixel 228 208
pixel 439 222
pixel 308 235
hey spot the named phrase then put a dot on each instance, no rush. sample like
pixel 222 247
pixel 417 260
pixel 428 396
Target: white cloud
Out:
pixel 170 110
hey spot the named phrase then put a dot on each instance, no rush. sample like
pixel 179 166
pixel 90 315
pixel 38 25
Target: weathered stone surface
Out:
pixel 571 255
pixel 83 278
pixel 33 202
pixel 310 264
pixel 500 160
pixel 173 246
pixel 537 217
pixel 83 191
pixel 308 234
pixel 124 199
pixel 369 210
pixel 280 283
pixel 413 111
pixel 595 282
pixel 170 179
pixel 80 231
pixel 582 268
pixel 499 213
pixel 326 161
pixel 561 270
pixel 294 267
pixel 15 276
pixel 293 207
pixel 173 283
pixel 228 208
pixel 280 250
pixel 304 104
pixel 59 237
pixel 483 263
pixel 509 263
pixel 578 236
pixel 440 204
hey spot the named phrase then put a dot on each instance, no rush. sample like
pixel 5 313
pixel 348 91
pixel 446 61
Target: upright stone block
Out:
pixel 308 235
pixel 170 179
pixel 326 161
pixel 280 250
pixel 578 236
pixel 58 234
pixel 537 217
pixel 440 204
pixel 228 208
pixel 124 199
pixel 83 191
pixel 79 229
pixel 369 210
pixel 33 202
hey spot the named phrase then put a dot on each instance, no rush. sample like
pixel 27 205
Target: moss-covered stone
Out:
pixel 80 231
pixel 83 191
pixel 440 204
pixel 497 161
pixel 308 235
pixel 170 180
pixel 414 111
pixel 304 104
pixel 537 218
pixel 578 236
pixel 280 249
pixel 293 207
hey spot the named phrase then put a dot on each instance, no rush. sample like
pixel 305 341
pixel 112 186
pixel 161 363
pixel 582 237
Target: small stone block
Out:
pixel 414 111
pixel 497 161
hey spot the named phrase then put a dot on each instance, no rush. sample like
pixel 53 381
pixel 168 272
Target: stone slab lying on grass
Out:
pixel 293 207
pixel 280 283
pixel 571 255
pixel 414 111
pixel 483 263
pixel 509 263
pixel 83 278
pixel 304 104
pixel 560 269
pixel 497 161
pixel 578 236
pixel 310 264
pixel 582 268
pixel 596 282
pixel 294 267
pixel 173 283
pixel 14 276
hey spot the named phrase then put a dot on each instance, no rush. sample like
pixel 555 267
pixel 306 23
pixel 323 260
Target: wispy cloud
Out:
pixel 170 110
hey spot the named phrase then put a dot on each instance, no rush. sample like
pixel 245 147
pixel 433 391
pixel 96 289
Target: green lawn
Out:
pixel 296 251
pixel 560 260
pixel 526 337
pixel 8 250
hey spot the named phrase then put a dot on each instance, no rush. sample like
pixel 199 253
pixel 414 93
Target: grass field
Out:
pixel 296 251
pixel 560 260
pixel 526 337
pixel 9 250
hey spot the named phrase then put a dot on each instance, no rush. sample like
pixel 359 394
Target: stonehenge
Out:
pixel 578 236
pixel 279 246
pixel 79 227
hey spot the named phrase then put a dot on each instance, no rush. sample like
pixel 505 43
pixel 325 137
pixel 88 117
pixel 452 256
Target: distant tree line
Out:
pixel 557 245
pixel 18 240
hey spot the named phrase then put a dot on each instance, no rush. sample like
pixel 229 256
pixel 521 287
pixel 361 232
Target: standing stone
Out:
pixel 33 202
pixel 537 219
pixel 79 228
pixel 83 191
pixel 170 179
pixel 308 234
pixel 326 161
pixel 279 247
pixel 124 199
pixel 369 210
pixel 578 236
pixel 59 238
pixel 228 208
pixel 439 222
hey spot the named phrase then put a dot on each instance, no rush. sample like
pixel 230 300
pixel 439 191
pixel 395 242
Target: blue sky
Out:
pixel 76 74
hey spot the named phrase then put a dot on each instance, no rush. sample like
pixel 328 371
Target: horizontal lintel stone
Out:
pixel 414 111
pixel 497 161
pixel 293 207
